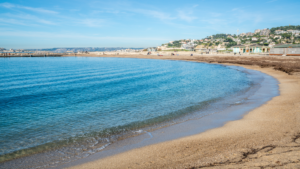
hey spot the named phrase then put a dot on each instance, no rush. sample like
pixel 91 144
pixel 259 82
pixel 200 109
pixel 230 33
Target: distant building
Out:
pixel 257 31
pixel 280 32
pixel 152 49
pixel 221 47
pixel 277 37
pixel 265 32
pixel 286 50
pixel 254 39
pixel 293 31
pixel 201 48
pixel 19 50
pixel 242 34
pixel 187 46
pixel 249 34
pixel 251 49
pixel 272 44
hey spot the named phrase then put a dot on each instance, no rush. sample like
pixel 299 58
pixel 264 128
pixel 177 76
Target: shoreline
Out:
pixel 291 139
pixel 228 109
pixel 241 143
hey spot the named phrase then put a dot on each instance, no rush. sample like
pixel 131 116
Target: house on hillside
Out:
pixel 286 50
pixel 277 37
pixel 249 34
pixel 280 32
pixel 257 31
pixel 254 39
pixel 293 31
pixel 265 32
pixel 242 34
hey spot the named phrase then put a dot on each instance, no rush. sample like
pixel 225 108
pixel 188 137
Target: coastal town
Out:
pixel 284 40
pixel 280 41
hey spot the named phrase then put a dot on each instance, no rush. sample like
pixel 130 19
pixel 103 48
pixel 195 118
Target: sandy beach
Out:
pixel 266 137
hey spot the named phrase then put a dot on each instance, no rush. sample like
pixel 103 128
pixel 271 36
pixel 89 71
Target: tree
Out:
pixel 228 40
pixel 286 35
pixel 230 44
pixel 266 44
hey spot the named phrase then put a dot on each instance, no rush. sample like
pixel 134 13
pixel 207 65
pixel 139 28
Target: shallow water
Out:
pixel 85 103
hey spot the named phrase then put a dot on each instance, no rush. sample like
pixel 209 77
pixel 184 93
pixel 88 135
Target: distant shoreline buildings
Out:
pixel 259 41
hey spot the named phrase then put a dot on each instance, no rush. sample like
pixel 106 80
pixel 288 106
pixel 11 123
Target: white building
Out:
pixel 293 31
pixel 257 31
pixel 277 36
pixel 249 34
pixel 187 46
pixel 280 32
pixel 265 32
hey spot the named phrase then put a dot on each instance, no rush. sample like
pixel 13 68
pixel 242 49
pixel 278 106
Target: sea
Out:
pixel 73 107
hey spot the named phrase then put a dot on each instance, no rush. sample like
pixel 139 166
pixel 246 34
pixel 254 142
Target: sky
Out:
pixel 28 24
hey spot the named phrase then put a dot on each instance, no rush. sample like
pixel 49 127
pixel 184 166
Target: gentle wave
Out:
pixel 47 103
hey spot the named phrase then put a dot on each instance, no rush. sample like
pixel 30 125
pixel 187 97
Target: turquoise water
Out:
pixel 47 103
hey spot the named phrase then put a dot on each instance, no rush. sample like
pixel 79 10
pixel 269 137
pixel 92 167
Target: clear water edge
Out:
pixel 120 132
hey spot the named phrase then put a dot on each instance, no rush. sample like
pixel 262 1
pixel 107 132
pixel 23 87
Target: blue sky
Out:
pixel 82 23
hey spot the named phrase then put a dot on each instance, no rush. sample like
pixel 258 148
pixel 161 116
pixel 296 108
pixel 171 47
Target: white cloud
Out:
pixel 14 21
pixel 152 13
pixel 214 14
pixel 26 18
pixel 7 5
pixel 31 34
pixel 92 22
pixel 186 16
pixel 40 10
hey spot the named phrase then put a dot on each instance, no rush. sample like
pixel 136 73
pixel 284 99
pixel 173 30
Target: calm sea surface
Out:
pixel 46 103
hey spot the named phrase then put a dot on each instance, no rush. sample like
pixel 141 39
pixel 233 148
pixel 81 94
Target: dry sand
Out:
pixel 267 137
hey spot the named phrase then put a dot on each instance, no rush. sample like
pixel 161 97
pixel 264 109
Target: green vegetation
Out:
pixel 228 40
pixel 286 35
pixel 176 44
pixel 218 36
pixel 285 28
pixel 230 44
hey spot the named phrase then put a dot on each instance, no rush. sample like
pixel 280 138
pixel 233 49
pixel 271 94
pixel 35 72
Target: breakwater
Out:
pixel 31 54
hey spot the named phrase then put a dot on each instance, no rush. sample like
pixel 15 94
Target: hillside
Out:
pixel 285 28
pixel 263 37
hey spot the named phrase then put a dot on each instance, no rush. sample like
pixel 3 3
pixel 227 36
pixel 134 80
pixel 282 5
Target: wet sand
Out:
pixel 266 137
